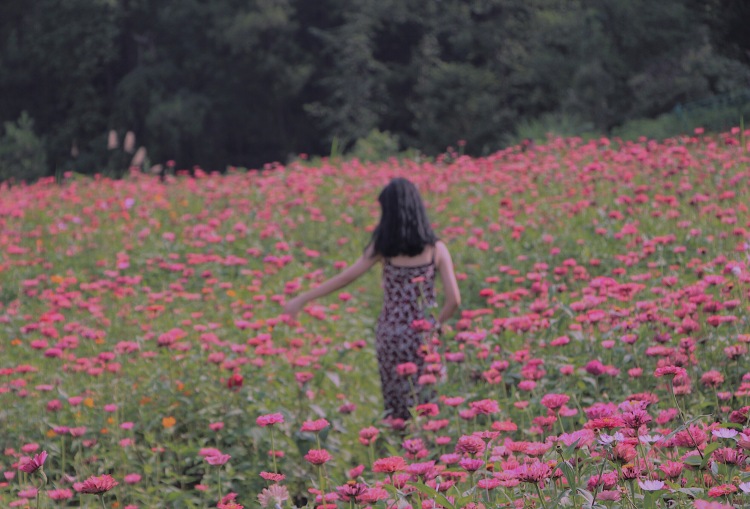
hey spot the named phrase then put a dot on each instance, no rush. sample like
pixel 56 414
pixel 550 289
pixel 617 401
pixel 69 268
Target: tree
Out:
pixel 21 151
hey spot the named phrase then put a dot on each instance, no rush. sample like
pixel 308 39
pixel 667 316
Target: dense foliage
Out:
pixel 600 358
pixel 247 82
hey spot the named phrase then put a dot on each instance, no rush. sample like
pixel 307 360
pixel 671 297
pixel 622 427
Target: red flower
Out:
pixel 722 490
pixel 608 422
pixel 235 381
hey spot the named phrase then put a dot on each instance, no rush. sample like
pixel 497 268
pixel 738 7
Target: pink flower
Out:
pixel 273 495
pixel 471 464
pixel 356 471
pixel 470 444
pixel 368 435
pixel 485 407
pixel 722 490
pixel 670 370
pixel 269 420
pixel 61 494
pixel 554 401
pixel 96 485
pixel 389 465
pixel 651 485
pixel 407 369
pixel 315 426
pixel 534 472
pixel 217 459
pixel 132 478
pixel 705 504
pixel 229 505
pixel 208 451
pixel 31 465
pixel 318 456
pixel 271 476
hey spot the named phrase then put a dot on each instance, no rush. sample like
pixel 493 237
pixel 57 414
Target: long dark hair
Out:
pixel 404 228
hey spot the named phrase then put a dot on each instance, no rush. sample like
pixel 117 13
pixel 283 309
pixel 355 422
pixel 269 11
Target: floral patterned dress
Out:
pixel 407 294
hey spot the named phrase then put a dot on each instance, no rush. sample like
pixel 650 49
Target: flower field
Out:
pixel 600 359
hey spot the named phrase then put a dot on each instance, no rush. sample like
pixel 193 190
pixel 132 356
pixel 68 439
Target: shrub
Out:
pixel 22 155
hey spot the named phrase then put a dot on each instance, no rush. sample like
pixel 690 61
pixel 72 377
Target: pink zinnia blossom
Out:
pixel 315 426
pixel 389 465
pixel 273 495
pixel 705 504
pixel 670 370
pixel 61 494
pixel 318 456
pixel 722 490
pixel 269 419
pixel 132 478
pixel 217 459
pixel 95 485
pixel 554 401
pixel 356 471
pixel 407 369
pixel 368 435
pixel 485 407
pixel 31 465
pixel 271 476
pixel 470 444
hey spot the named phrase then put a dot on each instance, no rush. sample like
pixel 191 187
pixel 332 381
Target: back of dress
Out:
pixel 408 293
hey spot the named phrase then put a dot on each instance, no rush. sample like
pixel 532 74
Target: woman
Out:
pixel 412 256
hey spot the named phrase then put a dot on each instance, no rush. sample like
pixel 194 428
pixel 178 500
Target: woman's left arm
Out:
pixel 452 295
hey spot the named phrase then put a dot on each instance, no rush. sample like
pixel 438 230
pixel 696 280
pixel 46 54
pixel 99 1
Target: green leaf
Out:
pixel 568 452
pixel 437 496
pixel 684 427
pixel 707 453
pixel 569 473
pixel 693 461
pixel 587 495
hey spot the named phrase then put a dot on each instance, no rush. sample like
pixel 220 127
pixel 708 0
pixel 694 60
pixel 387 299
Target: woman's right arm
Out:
pixel 452 295
pixel 340 280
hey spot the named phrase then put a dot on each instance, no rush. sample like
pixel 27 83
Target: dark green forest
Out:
pixel 214 83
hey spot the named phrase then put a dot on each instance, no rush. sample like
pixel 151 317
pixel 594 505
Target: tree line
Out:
pixel 245 82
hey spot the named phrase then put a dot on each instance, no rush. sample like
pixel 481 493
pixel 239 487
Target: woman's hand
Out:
pixel 293 307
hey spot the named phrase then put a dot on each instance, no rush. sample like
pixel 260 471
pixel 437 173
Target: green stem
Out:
pixel 541 496
pixel 101 499
pixel 596 490
pixel 321 482
pixel 273 453
pixel 559 419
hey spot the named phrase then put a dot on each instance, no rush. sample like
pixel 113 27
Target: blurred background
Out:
pixel 95 85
